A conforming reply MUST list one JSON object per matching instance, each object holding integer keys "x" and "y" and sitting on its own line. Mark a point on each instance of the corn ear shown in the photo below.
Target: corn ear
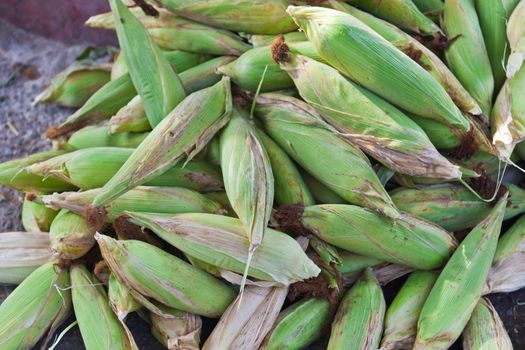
{"x": 506, "y": 276}
{"x": 358, "y": 323}
{"x": 157, "y": 84}
{"x": 452, "y": 206}
{"x": 35, "y": 308}
{"x": 71, "y": 236}
{"x": 130, "y": 118}
{"x": 36, "y": 216}
{"x": 175, "y": 33}
{"x": 222, "y": 241}
{"x": 149, "y": 272}
{"x": 516, "y": 36}
{"x": 22, "y": 253}
{"x": 363, "y": 55}
{"x": 459, "y": 285}
{"x": 402, "y": 315}
{"x": 247, "y": 320}
{"x": 184, "y": 132}
{"x": 248, "y": 16}
{"x": 180, "y": 332}
{"x": 485, "y": 330}
{"x": 258, "y": 40}
{"x": 102, "y": 136}
{"x": 99, "y": 326}
{"x": 294, "y": 125}
{"x": 120, "y": 299}
{"x": 371, "y": 123}
{"x": 73, "y": 86}
{"x": 204, "y": 75}
{"x": 467, "y": 55}
{"x": 298, "y": 325}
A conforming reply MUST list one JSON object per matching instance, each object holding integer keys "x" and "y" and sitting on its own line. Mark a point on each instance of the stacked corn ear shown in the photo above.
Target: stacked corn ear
{"x": 358, "y": 323}
{"x": 149, "y": 272}
{"x": 402, "y": 315}
{"x": 120, "y": 299}
{"x": 22, "y": 253}
{"x": 182, "y": 330}
{"x": 78, "y": 169}
{"x": 485, "y": 330}
{"x": 73, "y": 86}
{"x": 205, "y": 74}
{"x": 71, "y": 236}
{"x": 460, "y": 284}
{"x": 174, "y": 33}
{"x": 36, "y": 217}
{"x": 505, "y": 276}
{"x": 298, "y": 325}
{"x": 371, "y": 123}
{"x": 248, "y": 319}
{"x": 35, "y": 308}
{"x": 516, "y": 36}
{"x": 184, "y": 132}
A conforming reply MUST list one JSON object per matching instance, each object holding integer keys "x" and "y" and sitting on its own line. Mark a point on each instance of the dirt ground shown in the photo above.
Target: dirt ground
{"x": 22, "y": 129}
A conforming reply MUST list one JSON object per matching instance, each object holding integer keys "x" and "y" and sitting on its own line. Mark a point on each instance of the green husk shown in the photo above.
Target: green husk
{"x": 204, "y": 75}
{"x": 149, "y": 272}
{"x": 22, "y": 253}
{"x": 249, "y": 16}
{"x": 321, "y": 193}
{"x": 181, "y": 331}
{"x": 467, "y": 55}
{"x": 352, "y": 266}
{"x": 221, "y": 241}
{"x": 120, "y": 299}
{"x": 403, "y": 13}
{"x": 431, "y": 8}
{"x": 405, "y": 240}
{"x": 175, "y": 33}
{"x": 248, "y": 69}
{"x": 452, "y": 206}
{"x": 485, "y": 330}
{"x": 102, "y": 136}
{"x": 419, "y": 53}
{"x": 459, "y": 286}
{"x": 358, "y": 323}
{"x": 74, "y": 85}
{"x": 258, "y": 40}
{"x": 402, "y": 315}
{"x": 36, "y": 217}
{"x": 119, "y": 67}
{"x": 516, "y": 36}
{"x": 71, "y": 236}
{"x": 506, "y": 276}
{"x": 365, "y": 57}
{"x": 295, "y": 126}
{"x": 35, "y": 308}
{"x": 130, "y": 118}
{"x": 99, "y": 326}
{"x": 168, "y": 200}
{"x": 298, "y": 325}
{"x": 157, "y": 84}
{"x": 183, "y": 133}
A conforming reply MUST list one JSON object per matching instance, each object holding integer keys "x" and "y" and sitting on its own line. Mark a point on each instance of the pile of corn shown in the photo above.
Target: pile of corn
{"x": 276, "y": 182}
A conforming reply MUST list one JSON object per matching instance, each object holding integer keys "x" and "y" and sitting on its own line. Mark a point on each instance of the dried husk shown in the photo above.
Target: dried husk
{"x": 180, "y": 332}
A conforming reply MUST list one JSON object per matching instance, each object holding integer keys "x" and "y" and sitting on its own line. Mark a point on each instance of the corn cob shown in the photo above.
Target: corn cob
{"x": 130, "y": 118}
{"x": 247, "y": 320}
{"x": 35, "y": 308}
{"x": 368, "y": 233}
{"x": 168, "y": 200}
{"x": 467, "y": 56}
{"x": 321, "y": 193}
{"x": 249, "y": 16}
{"x": 119, "y": 67}
{"x": 181, "y": 331}
{"x": 516, "y": 36}
{"x": 101, "y": 136}
{"x": 458, "y": 287}
{"x": 120, "y": 300}
{"x": 401, "y": 316}
{"x": 77, "y": 168}
{"x": 298, "y": 325}
{"x": 36, "y": 217}
{"x": 294, "y": 126}
{"x": 221, "y": 241}
{"x": 419, "y": 53}
{"x": 361, "y": 54}
{"x": 485, "y": 329}
{"x": 175, "y": 33}
{"x": 248, "y": 69}
{"x": 71, "y": 236}
{"x": 403, "y": 13}
{"x": 184, "y": 132}
{"x": 506, "y": 274}
{"x": 453, "y": 207}
{"x": 204, "y": 75}
{"x": 73, "y": 86}
{"x": 158, "y": 85}
{"x": 99, "y": 326}
{"x": 258, "y": 40}
{"x": 22, "y": 253}
{"x": 149, "y": 272}
{"x": 358, "y": 323}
